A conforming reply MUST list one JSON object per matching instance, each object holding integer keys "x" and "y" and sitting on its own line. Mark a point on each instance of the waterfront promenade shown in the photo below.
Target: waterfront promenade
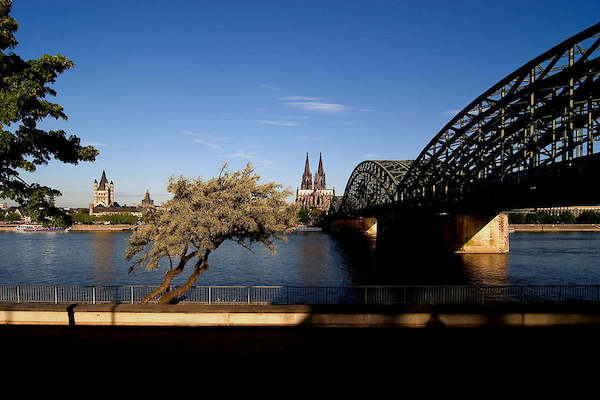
{"x": 425, "y": 337}
{"x": 288, "y": 316}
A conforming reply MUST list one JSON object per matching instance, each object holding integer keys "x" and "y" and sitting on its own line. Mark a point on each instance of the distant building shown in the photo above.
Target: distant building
{"x": 575, "y": 210}
{"x": 317, "y": 196}
{"x": 147, "y": 202}
{"x": 104, "y": 200}
{"x": 104, "y": 194}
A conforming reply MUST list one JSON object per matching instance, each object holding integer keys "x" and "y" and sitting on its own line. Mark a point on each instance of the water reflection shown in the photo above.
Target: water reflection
{"x": 103, "y": 252}
{"x": 311, "y": 252}
{"x": 368, "y": 264}
{"x": 311, "y": 258}
{"x": 485, "y": 269}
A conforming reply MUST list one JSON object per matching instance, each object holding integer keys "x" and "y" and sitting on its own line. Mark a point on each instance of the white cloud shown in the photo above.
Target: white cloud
{"x": 212, "y": 141}
{"x": 250, "y": 157}
{"x": 278, "y": 123}
{"x": 318, "y": 106}
{"x": 267, "y": 86}
{"x": 241, "y": 154}
{"x": 213, "y": 146}
{"x": 298, "y": 98}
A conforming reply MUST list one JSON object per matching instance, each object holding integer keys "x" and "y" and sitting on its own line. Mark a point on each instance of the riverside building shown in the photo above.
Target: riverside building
{"x": 104, "y": 200}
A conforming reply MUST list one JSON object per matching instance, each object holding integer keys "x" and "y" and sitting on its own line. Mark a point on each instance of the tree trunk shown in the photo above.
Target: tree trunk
{"x": 169, "y": 276}
{"x": 199, "y": 268}
{"x": 163, "y": 286}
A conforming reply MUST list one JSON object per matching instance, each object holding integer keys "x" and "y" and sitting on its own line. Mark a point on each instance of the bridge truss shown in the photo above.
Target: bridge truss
{"x": 373, "y": 183}
{"x": 543, "y": 115}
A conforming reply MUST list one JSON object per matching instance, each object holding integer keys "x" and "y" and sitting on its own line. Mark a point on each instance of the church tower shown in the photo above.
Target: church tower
{"x": 320, "y": 176}
{"x": 104, "y": 193}
{"x": 306, "y": 177}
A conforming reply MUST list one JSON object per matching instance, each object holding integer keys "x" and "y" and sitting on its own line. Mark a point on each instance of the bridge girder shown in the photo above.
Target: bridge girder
{"x": 540, "y": 119}
{"x": 373, "y": 183}
{"x": 544, "y": 113}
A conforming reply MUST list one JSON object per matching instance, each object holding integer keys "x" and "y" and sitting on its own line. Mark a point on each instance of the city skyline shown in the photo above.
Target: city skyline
{"x": 181, "y": 88}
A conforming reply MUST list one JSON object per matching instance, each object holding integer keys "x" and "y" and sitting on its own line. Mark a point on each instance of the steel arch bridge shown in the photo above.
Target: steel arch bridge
{"x": 533, "y": 130}
{"x": 373, "y": 184}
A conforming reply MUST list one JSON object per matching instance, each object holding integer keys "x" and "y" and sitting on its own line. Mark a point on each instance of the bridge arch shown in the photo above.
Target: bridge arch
{"x": 373, "y": 183}
{"x": 544, "y": 113}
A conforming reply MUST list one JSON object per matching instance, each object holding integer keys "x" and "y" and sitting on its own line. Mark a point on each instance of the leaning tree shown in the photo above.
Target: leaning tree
{"x": 200, "y": 216}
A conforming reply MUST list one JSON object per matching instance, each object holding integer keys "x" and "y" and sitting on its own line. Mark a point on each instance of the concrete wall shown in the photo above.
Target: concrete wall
{"x": 284, "y": 316}
{"x": 556, "y": 227}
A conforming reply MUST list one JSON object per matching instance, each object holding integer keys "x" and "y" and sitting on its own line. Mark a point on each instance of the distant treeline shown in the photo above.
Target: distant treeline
{"x": 566, "y": 217}
{"x": 113, "y": 218}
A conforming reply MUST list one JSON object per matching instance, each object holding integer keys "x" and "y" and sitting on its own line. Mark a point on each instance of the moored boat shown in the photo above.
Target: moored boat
{"x": 36, "y": 228}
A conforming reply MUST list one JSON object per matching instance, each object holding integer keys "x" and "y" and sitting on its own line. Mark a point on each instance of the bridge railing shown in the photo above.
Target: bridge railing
{"x": 289, "y": 295}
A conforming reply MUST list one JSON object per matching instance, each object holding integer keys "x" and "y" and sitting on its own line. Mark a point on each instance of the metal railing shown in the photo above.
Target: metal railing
{"x": 288, "y": 295}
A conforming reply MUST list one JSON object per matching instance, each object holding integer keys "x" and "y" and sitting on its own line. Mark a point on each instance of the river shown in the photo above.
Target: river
{"x": 306, "y": 259}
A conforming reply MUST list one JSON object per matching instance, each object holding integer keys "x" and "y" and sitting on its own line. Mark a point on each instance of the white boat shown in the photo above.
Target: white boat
{"x": 36, "y": 228}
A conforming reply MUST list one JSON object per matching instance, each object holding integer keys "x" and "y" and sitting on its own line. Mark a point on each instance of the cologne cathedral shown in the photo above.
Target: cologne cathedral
{"x": 318, "y": 196}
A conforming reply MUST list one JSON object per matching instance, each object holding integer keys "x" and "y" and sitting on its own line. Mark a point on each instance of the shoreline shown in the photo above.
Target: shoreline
{"x": 102, "y": 228}
{"x": 555, "y": 227}
{"x": 516, "y": 227}
{"x": 83, "y": 228}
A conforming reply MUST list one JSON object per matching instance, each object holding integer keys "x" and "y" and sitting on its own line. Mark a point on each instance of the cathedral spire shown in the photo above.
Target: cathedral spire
{"x": 306, "y": 166}
{"x": 320, "y": 176}
{"x": 320, "y": 170}
{"x": 306, "y": 177}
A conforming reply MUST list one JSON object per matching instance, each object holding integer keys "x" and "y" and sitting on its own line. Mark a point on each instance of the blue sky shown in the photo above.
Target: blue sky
{"x": 176, "y": 87}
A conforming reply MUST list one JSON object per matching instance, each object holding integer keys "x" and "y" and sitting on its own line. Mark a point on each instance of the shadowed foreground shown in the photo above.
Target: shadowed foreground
{"x": 301, "y": 343}
{"x": 432, "y": 348}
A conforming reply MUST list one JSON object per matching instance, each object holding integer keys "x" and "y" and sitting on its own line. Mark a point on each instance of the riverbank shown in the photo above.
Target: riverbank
{"x": 102, "y": 228}
{"x": 83, "y": 228}
{"x": 555, "y": 227}
{"x": 516, "y": 227}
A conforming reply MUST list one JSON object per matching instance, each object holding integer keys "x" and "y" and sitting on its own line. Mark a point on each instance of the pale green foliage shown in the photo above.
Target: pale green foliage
{"x": 203, "y": 214}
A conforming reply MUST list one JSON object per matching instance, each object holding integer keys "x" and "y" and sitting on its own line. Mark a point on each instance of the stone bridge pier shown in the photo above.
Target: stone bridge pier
{"x": 461, "y": 233}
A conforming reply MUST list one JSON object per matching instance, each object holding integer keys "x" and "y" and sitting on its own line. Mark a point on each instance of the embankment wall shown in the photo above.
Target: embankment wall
{"x": 289, "y": 316}
{"x": 556, "y": 227}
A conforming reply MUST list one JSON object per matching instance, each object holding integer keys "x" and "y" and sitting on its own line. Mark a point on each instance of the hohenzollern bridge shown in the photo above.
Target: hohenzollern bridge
{"x": 531, "y": 140}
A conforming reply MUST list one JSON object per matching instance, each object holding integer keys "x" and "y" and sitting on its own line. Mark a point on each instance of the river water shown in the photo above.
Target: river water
{"x": 306, "y": 259}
